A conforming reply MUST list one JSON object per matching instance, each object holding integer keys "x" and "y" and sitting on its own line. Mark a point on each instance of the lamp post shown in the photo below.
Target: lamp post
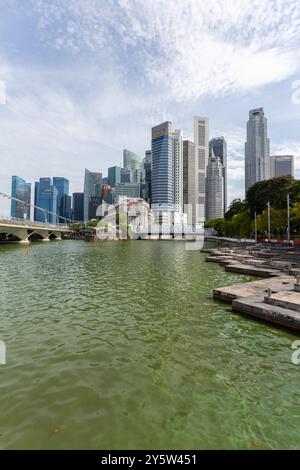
{"x": 269, "y": 221}
{"x": 255, "y": 226}
{"x": 288, "y": 219}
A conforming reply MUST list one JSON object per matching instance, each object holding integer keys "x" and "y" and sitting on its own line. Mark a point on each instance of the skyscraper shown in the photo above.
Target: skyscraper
{"x": 114, "y": 176}
{"x": 201, "y": 139}
{"x": 21, "y": 191}
{"x": 127, "y": 189}
{"x": 92, "y": 188}
{"x": 46, "y": 197}
{"x": 78, "y": 207}
{"x": 63, "y": 198}
{"x": 188, "y": 176}
{"x": 218, "y": 146}
{"x": 162, "y": 175}
{"x": 131, "y": 161}
{"x": 214, "y": 204}
{"x": 281, "y": 165}
{"x": 146, "y": 176}
{"x": 178, "y": 170}
{"x": 257, "y": 148}
{"x": 126, "y": 175}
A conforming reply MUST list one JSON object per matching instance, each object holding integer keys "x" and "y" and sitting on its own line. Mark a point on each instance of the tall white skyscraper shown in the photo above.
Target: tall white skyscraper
{"x": 178, "y": 170}
{"x": 201, "y": 140}
{"x": 214, "y": 204}
{"x": 218, "y": 146}
{"x": 257, "y": 148}
{"x": 282, "y": 165}
{"x": 188, "y": 177}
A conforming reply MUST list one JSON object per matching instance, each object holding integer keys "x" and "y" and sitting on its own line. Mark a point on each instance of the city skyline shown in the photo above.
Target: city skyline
{"x": 184, "y": 175}
{"x": 61, "y": 115}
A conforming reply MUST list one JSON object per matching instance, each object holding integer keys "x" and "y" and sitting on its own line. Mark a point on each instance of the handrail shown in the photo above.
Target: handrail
{"x": 29, "y": 223}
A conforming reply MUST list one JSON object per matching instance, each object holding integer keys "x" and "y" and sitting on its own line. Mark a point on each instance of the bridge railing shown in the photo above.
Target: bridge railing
{"x": 29, "y": 223}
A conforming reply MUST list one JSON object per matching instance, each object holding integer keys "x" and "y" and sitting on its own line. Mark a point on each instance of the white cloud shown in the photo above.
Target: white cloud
{"x": 187, "y": 49}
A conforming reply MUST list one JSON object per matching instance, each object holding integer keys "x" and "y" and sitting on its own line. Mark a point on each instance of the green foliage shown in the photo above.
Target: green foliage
{"x": 76, "y": 227}
{"x": 235, "y": 207}
{"x": 274, "y": 190}
{"x": 93, "y": 223}
{"x": 239, "y": 219}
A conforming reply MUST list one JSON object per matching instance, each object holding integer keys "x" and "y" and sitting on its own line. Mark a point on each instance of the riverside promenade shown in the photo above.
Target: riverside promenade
{"x": 275, "y": 297}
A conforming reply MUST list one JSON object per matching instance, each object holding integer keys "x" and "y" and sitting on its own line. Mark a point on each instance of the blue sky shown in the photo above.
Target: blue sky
{"x": 86, "y": 78}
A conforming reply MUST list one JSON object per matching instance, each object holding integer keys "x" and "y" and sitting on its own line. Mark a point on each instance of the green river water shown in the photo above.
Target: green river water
{"x": 120, "y": 345}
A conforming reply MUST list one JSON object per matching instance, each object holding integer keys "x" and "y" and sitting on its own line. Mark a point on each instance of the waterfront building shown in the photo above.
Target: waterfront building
{"x": 46, "y": 197}
{"x": 282, "y": 165}
{"x": 178, "y": 170}
{"x": 218, "y": 146}
{"x": 197, "y": 187}
{"x": 22, "y": 191}
{"x": 92, "y": 188}
{"x": 214, "y": 188}
{"x": 188, "y": 176}
{"x": 78, "y": 207}
{"x": 114, "y": 176}
{"x": 162, "y": 175}
{"x": 257, "y": 148}
{"x": 63, "y": 198}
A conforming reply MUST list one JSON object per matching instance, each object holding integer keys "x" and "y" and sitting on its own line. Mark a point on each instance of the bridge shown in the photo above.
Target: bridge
{"x": 24, "y": 231}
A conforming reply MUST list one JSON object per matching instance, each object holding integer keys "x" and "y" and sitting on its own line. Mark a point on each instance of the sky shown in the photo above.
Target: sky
{"x": 80, "y": 80}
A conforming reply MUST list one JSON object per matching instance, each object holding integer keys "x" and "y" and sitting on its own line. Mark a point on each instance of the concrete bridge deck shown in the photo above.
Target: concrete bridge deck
{"x": 24, "y": 230}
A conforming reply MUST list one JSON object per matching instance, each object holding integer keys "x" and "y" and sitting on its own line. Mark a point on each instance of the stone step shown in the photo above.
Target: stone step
{"x": 288, "y": 300}
{"x": 267, "y": 312}
{"x": 252, "y": 270}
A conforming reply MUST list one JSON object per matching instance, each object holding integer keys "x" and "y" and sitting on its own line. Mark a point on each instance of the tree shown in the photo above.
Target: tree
{"x": 274, "y": 190}
{"x": 235, "y": 207}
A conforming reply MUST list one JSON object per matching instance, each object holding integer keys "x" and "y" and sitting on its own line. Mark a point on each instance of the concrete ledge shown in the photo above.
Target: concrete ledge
{"x": 251, "y": 270}
{"x": 287, "y": 300}
{"x": 267, "y": 312}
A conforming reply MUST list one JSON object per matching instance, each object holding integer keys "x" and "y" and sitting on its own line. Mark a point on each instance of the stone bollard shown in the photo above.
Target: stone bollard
{"x": 297, "y": 284}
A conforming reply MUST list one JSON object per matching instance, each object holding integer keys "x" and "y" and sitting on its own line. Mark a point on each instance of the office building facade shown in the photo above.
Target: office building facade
{"x": 178, "y": 170}
{"x": 63, "y": 198}
{"x": 218, "y": 147}
{"x": 201, "y": 140}
{"x": 257, "y": 148}
{"x": 188, "y": 177}
{"x": 22, "y": 191}
{"x": 162, "y": 170}
{"x": 46, "y": 198}
{"x": 114, "y": 176}
{"x": 78, "y": 207}
{"x": 214, "y": 188}
{"x": 282, "y": 165}
{"x": 92, "y": 188}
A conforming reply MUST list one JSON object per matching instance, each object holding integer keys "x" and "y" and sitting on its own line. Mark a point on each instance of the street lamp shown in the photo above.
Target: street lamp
{"x": 255, "y": 226}
{"x": 288, "y": 219}
{"x": 269, "y": 221}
